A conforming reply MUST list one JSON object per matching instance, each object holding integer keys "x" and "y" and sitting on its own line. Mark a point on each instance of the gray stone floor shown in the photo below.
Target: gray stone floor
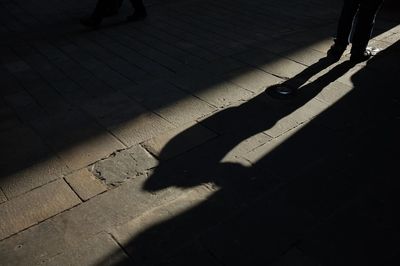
{"x": 156, "y": 142}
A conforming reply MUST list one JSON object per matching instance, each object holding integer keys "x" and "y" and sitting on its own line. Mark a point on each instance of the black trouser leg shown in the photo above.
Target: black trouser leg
{"x": 349, "y": 10}
{"x": 364, "y": 26}
{"x": 138, "y": 6}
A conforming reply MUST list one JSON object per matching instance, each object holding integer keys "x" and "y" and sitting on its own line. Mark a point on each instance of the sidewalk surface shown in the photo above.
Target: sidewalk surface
{"x": 155, "y": 142}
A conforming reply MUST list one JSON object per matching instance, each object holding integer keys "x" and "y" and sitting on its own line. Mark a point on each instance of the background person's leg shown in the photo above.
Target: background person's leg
{"x": 346, "y": 20}
{"x": 139, "y": 11}
{"x": 345, "y": 24}
{"x": 364, "y": 26}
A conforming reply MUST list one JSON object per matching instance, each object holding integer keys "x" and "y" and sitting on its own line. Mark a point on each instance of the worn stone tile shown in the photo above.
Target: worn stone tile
{"x": 252, "y": 79}
{"x": 151, "y": 247}
{"x": 100, "y": 249}
{"x": 3, "y": 197}
{"x": 78, "y": 140}
{"x": 113, "y": 109}
{"x": 295, "y": 257}
{"x": 37, "y": 173}
{"x": 237, "y": 241}
{"x": 185, "y": 137}
{"x": 282, "y": 67}
{"x": 127, "y": 164}
{"x": 238, "y": 152}
{"x": 220, "y": 66}
{"x": 193, "y": 253}
{"x": 352, "y": 236}
{"x": 140, "y": 128}
{"x": 26, "y": 162}
{"x": 270, "y": 63}
{"x": 71, "y": 228}
{"x": 277, "y": 46}
{"x": 8, "y": 118}
{"x": 171, "y": 103}
{"x": 85, "y": 184}
{"x": 213, "y": 90}
{"x": 333, "y": 92}
{"x": 89, "y": 151}
{"x": 299, "y": 116}
{"x": 36, "y": 206}
{"x": 305, "y": 56}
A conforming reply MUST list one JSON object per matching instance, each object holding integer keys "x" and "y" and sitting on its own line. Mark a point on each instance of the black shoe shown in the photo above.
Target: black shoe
{"x": 358, "y": 57}
{"x": 137, "y": 16}
{"x": 336, "y": 51}
{"x": 91, "y": 22}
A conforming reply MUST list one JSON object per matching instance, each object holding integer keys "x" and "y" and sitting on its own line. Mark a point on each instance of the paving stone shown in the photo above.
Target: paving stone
{"x": 35, "y": 174}
{"x": 277, "y": 46}
{"x": 259, "y": 234}
{"x": 333, "y": 92}
{"x": 113, "y": 109}
{"x": 17, "y": 66}
{"x": 351, "y": 236}
{"x": 299, "y": 116}
{"x": 129, "y": 233}
{"x": 220, "y": 66}
{"x": 235, "y": 155}
{"x": 322, "y": 45}
{"x": 25, "y": 106}
{"x": 98, "y": 250}
{"x": 295, "y": 257}
{"x": 85, "y": 184}
{"x": 140, "y": 128}
{"x": 252, "y": 79}
{"x": 126, "y": 50}
{"x": 171, "y": 229}
{"x": 69, "y": 229}
{"x": 270, "y": 63}
{"x": 8, "y": 117}
{"x": 117, "y": 63}
{"x": 293, "y": 148}
{"x": 305, "y": 56}
{"x": 189, "y": 135}
{"x": 171, "y": 103}
{"x": 194, "y": 253}
{"x": 3, "y": 197}
{"x": 127, "y": 164}
{"x": 214, "y": 91}
{"x": 35, "y": 206}
{"x": 26, "y": 162}
{"x": 76, "y": 138}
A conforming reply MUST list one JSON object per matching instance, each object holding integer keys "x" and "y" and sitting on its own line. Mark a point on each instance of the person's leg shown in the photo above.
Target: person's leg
{"x": 349, "y": 11}
{"x": 365, "y": 23}
{"x": 345, "y": 24}
{"x": 103, "y": 9}
{"x": 139, "y": 11}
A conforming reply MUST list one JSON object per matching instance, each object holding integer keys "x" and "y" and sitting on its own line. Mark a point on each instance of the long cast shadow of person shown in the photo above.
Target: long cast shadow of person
{"x": 203, "y": 165}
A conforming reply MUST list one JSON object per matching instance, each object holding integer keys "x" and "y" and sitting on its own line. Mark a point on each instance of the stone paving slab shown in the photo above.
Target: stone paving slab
{"x": 85, "y": 184}
{"x": 190, "y": 137}
{"x": 30, "y": 165}
{"x": 94, "y": 251}
{"x": 36, "y": 206}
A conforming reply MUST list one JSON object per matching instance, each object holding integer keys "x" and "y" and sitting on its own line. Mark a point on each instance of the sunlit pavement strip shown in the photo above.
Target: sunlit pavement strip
{"x": 107, "y": 136}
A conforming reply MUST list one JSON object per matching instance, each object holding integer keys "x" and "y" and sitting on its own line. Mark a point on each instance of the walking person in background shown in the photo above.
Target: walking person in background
{"x": 356, "y": 21}
{"x": 107, "y": 8}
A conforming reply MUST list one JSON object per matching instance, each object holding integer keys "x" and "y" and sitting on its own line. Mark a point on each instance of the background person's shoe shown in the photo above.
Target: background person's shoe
{"x": 137, "y": 16}
{"x": 358, "y": 57}
{"x": 91, "y": 22}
